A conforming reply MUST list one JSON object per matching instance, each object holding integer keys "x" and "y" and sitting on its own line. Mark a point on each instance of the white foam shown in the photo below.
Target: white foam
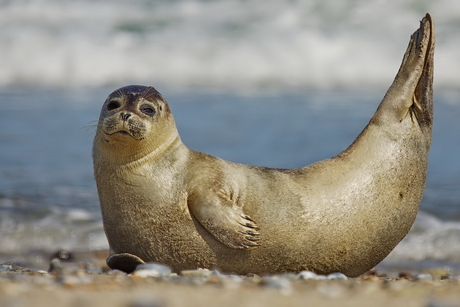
{"x": 429, "y": 239}
{"x": 49, "y": 231}
{"x": 217, "y": 44}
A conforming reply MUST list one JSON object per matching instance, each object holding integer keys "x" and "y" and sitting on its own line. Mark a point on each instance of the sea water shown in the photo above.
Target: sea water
{"x": 273, "y": 83}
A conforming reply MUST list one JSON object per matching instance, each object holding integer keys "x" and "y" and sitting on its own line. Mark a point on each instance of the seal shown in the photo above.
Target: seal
{"x": 163, "y": 202}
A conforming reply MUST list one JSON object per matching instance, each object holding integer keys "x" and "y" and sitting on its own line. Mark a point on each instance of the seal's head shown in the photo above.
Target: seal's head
{"x": 135, "y": 120}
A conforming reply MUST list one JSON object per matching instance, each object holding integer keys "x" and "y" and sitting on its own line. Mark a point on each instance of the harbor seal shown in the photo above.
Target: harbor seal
{"x": 163, "y": 202}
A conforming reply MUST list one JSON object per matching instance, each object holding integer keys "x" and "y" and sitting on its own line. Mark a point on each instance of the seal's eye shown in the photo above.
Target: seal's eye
{"x": 146, "y": 109}
{"x": 113, "y": 105}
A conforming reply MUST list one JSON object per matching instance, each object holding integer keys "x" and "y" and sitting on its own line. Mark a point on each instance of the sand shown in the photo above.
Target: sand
{"x": 74, "y": 283}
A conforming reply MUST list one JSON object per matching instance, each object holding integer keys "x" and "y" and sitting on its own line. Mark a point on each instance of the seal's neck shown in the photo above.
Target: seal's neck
{"x": 156, "y": 152}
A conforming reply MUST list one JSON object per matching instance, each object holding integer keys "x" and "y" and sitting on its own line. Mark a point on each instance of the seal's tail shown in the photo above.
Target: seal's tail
{"x": 411, "y": 93}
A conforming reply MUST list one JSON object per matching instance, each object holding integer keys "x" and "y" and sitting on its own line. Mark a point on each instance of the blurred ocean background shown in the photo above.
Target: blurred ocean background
{"x": 272, "y": 83}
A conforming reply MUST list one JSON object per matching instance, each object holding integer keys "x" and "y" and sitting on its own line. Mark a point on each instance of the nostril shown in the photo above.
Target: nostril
{"x": 125, "y": 116}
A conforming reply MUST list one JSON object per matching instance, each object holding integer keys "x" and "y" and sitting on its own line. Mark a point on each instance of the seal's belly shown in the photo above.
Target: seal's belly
{"x": 156, "y": 231}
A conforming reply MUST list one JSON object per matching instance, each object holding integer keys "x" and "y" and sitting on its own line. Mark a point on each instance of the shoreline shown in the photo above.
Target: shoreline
{"x": 91, "y": 283}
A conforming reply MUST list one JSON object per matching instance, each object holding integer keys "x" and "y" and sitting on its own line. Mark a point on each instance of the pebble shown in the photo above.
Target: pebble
{"x": 404, "y": 275}
{"x": 6, "y": 267}
{"x": 337, "y": 276}
{"x": 427, "y": 277}
{"x": 15, "y": 280}
{"x": 307, "y": 275}
{"x": 11, "y": 267}
{"x": 438, "y": 273}
{"x": 152, "y": 270}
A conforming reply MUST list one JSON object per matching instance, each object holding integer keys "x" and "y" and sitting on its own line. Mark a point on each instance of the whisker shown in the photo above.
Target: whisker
{"x": 88, "y": 126}
{"x": 91, "y": 127}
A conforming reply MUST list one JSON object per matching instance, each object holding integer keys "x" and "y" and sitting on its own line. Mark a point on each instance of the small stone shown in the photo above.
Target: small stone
{"x": 152, "y": 270}
{"x": 337, "y": 276}
{"x": 42, "y": 272}
{"x": 307, "y": 275}
{"x": 6, "y": 266}
{"x": 438, "y": 273}
{"x": 427, "y": 277}
{"x": 63, "y": 255}
{"x": 12, "y": 267}
{"x": 404, "y": 275}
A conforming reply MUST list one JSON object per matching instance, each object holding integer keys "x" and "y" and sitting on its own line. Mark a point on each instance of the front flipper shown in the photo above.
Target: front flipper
{"x": 124, "y": 262}
{"x": 226, "y": 221}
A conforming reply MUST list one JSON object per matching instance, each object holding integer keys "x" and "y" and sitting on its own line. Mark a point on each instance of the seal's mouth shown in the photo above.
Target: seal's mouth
{"x": 122, "y": 132}
{"x": 133, "y": 128}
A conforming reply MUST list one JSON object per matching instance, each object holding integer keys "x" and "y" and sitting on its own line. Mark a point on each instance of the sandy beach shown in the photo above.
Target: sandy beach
{"x": 91, "y": 283}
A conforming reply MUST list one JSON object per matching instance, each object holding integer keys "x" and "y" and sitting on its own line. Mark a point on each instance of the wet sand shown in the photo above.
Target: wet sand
{"x": 93, "y": 284}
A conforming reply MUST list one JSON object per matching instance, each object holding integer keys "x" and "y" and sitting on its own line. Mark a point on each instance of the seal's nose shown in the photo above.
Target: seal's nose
{"x": 124, "y": 116}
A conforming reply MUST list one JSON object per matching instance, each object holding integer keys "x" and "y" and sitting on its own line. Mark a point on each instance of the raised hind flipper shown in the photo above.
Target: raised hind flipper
{"x": 411, "y": 93}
